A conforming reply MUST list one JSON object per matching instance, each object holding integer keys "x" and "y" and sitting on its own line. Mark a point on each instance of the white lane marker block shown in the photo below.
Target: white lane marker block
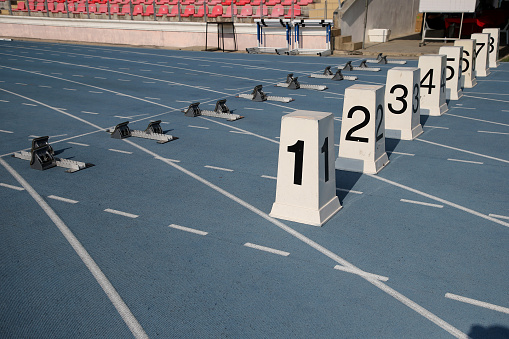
{"x": 477, "y": 303}
{"x": 494, "y": 44}
{"x": 267, "y": 249}
{"x": 70, "y": 201}
{"x": 453, "y": 71}
{"x": 362, "y": 138}
{"x": 433, "y": 84}
{"x": 361, "y": 273}
{"x": 468, "y": 79}
{"x": 402, "y": 103}
{"x": 187, "y": 229}
{"x": 481, "y": 54}
{"x": 421, "y": 203}
{"x": 17, "y": 188}
{"x": 125, "y": 214}
{"x": 306, "y": 179}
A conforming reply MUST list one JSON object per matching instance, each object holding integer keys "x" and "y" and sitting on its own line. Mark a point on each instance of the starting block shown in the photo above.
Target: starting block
{"x": 152, "y": 132}
{"x": 482, "y": 41}
{"x": 41, "y": 157}
{"x": 382, "y": 59}
{"x": 293, "y": 83}
{"x": 362, "y": 67}
{"x": 402, "y": 97}
{"x": 327, "y": 74}
{"x": 220, "y": 111}
{"x": 306, "y": 180}
{"x": 258, "y": 95}
{"x": 468, "y": 79}
{"x": 493, "y": 46}
{"x": 453, "y": 73}
{"x": 362, "y": 138}
{"x": 433, "y": 84}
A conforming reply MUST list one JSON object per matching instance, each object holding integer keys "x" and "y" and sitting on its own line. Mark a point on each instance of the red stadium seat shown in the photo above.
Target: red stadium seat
{"x": 114, "y": 8}
{"x": 296, "y": 12}
{"x": 277, "y": 11}
{"x": 162, "y": 10}
{"x": 216, "y": 11}
{"x": 265, "y": 12}
{"x": 138, "y": 9}
{"x": 189, "y": 11}
{"x": 103, "y": 9}
{"x": 201, "y": 12}
{"x": 149, "y": 10}
{"x": 126, "y": 9}
{"x": 21, "y": 6}
{"x": 228, "y": 13}
{"x": 246, "y": 11}
{"x": 174, "y": 11}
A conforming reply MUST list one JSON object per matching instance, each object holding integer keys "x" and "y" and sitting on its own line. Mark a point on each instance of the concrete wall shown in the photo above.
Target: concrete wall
{"x": 146, "y": 33}
{"x": 397, "y": 15}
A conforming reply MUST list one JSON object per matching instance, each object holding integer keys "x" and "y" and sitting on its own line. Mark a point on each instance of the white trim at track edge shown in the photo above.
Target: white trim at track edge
{"x": 100, "y": 277}
{"x": 443, "y": 201}
{"x": 487, "y": 121}
{"x": 353, "y": 269}
{"x": 462, "y": 150}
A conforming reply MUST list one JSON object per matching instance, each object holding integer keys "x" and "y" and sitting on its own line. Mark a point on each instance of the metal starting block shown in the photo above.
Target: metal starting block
{"x": 41, "y": 157}
{"x": 362, "y": 67}
{"x": 152, "y": 132}
{"x": 382, "y": 59}
{"x": 258, "y": 95}
{"x": 327, "y": 74}
{"x": 220, "y": 111}
{"x": 293, "y": 83}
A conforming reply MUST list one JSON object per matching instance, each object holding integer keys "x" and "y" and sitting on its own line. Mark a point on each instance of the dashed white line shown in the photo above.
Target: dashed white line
{"x": 401, "y": 153}
{"x": 20, "y": 83}
{"x": 102, "y": 78}
{"x": 333, "y": 98}
{"x": 254, "y": 109}
{"x": 498, "y": 216}
{"x": 268, "y": 177}
{"x": 361, "y": 273}
{"x": 95, "y": 92}
{"x": 26, "y": 104}
{"x": 219, "y": 168}
{"x": 126, "y": 80}
{"x": 439, "y": 127}
{"x": 125, "y": 214}
{"x": 77, "y": 143}
{"x": 149, "y": 82}
{"x": 86, "y": 112}
{"x": 240, "y": 132}
{"x": 69, "y": 89}
{"x": 493, "y": 132}
{"x": 267, "y": 249}
{"x": 477, "y": 303}
{"x": 43, "y": 86}
{"x": 348, "y": 191}
{"x": 4, "y": 101}
{"x": 152, "y": 98}
{"x": 337, "y": 119}
{"x": 168, "y": 159}
{"x": 187, "y": 229}
{"x": 421, "y": 203}
{"x": 197, "y": 127}
{"x": 467, "y": 161}
{"x": 119, "y": 151}
{"x": 17, "y": 188}
{"x": 2, "y": 131}
{"x": 77, "y": 75}
{"x": 70, "y": 201}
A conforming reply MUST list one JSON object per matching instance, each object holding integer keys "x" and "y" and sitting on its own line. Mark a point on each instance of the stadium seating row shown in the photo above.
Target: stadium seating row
{"x": 190, "y": 10}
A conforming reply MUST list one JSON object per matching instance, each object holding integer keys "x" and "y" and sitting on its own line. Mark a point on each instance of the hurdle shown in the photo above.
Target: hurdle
{"x": 338, "y": 76}
{"x": 293, "y": 83}
{"x": 298, "y": 24}
{"x": 220, "y": 111}
{"x": 258, "y": 95}
{"x": 271, "y": 23}
{"x": 152, "y": 132}
{"x": 382, "y": 59}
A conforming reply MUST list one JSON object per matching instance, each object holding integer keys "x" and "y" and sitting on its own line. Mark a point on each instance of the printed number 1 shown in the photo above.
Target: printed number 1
{"x": 298, "y": 149}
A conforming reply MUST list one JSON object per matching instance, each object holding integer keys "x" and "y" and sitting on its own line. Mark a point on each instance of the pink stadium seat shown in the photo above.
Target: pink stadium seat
{"x": 41, "y": 8}
{"x": 277, "y": 11}
{"x": 103, "y": 9}
{"x": 265, "y": 12}
{"x": 273, "y": 2}
{"x": 189, "y": 11}
{"x": 60, "y": 8}
{"x": 163, "y": 10}
{"x": 114, "y": 8}
{"x": 126, "y": 9}
{"x": 246, "y": 11}
{"x": 213, "y": 2}
{"x": 174, "y": 11}
{"x": 296, "y": 10}
{"x": 201, "y": 12}
{"x": 149, "y": 10}
{"x": 138, "y": 9}
{"x": 173, "y": 2}
{"x": 216, "y": 11}
{"x": 286, "y": 2}
{"x": 162, "y": 2}
{"x": 226, "y": 2}
{"x": 256, "y": 2}
{"x": 186, "y": 2}
{"x": 21, "y": 6}
{"x": 228, "y": 13}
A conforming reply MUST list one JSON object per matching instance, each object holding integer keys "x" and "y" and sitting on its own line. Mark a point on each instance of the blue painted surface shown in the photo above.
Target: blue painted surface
{"x": 179, "y": 284}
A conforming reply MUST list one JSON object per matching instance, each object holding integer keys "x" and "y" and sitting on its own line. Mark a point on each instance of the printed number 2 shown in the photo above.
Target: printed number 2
{"x": 298, "y": 149}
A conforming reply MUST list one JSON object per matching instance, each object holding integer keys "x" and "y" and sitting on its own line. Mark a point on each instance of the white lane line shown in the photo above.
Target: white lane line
{"x": 69, "y": 89}
{"x": 267, "y": 249}
{"x": 466, "y": 161}
{"x": 487, "y": 121}
{"x": 219, "y": 168}
{"x": 126, "y": 80}
{"x": 348, "y": 191}
{"x": 77, "y": 75}
{"x": 119, "y": 151}
{"x": 4, "y": 101}
{"x": 22, "y": 84}
{"x": 421, "y": 203}
{"x": 45, "y": 86}
{"x": 439, "y": 127}
{"x": 380, "y": 285}
{"x": 100, "y": 78}
{"x": 401, "y": 153}
{"x": 99, "y": 276}
{"x": 70, "y": 201}
{"x": 97, "y": 92}
{"x": 333, "y": 98}
{"x": 77, "y": 143}
{"x": 239, "y": 132}
{"x": 2, "y": 131}
{"x": 477, "y": 303}
{"x": 197, "y": 127}
{"x": 465, "y": 107}
{"x": 145, "y": 70}
{"x": 337, "y": 119}
{"x": 462, "y": 150}
{"x": 24, "y": 103}
{"x": 153, "y": 98}
{"x": 254, "y": 109}
{"x": 361, "y": 273}
{"x": 163, "y": 158}
{"x": 187, "y": 229}
{"x": 12, "y": 187}
{"x": 149, "y": 82}
{"x": 443, "y": 201}
{"x": 501, "y": 133}
{"x": 268, "y": 177}
{"x": 499, "y": 216}
{"x": 89, "y": 112}
{"x": 125, "y": 214}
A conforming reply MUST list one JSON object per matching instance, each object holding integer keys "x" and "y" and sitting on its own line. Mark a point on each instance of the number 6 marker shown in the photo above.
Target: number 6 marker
{"x": 306, "y": 180}
{"x": 362, "y": 138}
{"x": 468, "y": 62}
